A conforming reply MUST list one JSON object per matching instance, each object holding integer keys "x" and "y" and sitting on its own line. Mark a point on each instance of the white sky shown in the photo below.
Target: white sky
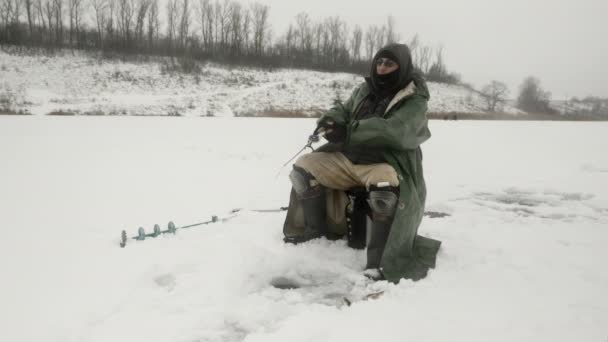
{"x": 562, "y": 42}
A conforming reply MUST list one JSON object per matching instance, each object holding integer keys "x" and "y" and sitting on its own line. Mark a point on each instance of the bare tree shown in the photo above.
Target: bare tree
{"x": 532, "y": 98}
{"x": 58, "y": 15}
{"x": 289, "y": 41}
{"x": 221, "y": 20}
{"x": 126, "y": 12}
{"x": 184, "y": 23}
{"x": 495, "y": 94}
{"x": 318, "y": 35}
{"x": 414, "y": 43}
{"x": 6, "y": 13}
{"x": 438, "y": 71}
{"x": 236, "y": 27}
{"x": 80, "y": 8}
{"x": 246, "y": 29}
{"x": 49, "y": 13}
{"x": 337, "y": 40}
{"x": 260, "y": 27}
{"x": 17, "y": 9}
{"x": 140, "y": 19}
{"x": 391, "y": 35}
{"x": 371, "y": 42}
{"x": 71, "y": 8}
{"x": 172, "y": 12}
{"x": 325, "y": 52}
{"x": 31, "y": 17}
{"x": 204, "y": 17}
{"x": 381, "y": 37}
{"x": 39, "y": 9}
{"x": 355, "y": 43}
{"x": 304, "y": 34}
{"x": 100, "y": 8}
{"x": 424, "y": 58}
{"x": 75, "y": 17}
{"x": 153, "y": 23}
{"x": 111, "y": 21}
{"x": 217, "y": 34}
{"x": 224, "y": 20}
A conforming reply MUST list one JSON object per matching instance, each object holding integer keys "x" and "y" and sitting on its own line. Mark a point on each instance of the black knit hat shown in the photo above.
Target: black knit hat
{"x": 387, "y": 54}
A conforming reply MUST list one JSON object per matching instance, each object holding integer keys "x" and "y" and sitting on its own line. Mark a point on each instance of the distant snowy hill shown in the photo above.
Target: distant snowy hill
{"x": 591, "y": 106}
{"x": 78, "y": 83}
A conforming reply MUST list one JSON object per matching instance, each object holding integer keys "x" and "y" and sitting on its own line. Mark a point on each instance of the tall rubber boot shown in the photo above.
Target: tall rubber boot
{"x": 311, "y": 195}
{"x": 315, "y": 213}
{"x": 383, "y": 204}
{"x": 356, "y": 219}
{"x": 377, "y": 242}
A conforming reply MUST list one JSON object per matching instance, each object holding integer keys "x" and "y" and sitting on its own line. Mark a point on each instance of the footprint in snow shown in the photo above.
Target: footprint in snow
{"x": 167, "y": 281}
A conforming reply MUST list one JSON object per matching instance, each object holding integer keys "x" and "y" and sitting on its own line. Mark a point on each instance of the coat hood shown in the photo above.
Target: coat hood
{"x": 402, "y": 55}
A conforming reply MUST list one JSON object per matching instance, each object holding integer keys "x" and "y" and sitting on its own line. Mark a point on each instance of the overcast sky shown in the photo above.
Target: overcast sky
{"x": 563, "y": 43}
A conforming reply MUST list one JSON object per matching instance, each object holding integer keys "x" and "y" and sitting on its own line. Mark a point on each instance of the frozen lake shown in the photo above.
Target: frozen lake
{"x": 523, "y": 257}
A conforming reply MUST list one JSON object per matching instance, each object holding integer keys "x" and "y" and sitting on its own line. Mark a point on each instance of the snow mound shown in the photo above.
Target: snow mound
{"x": 78, "y": 83}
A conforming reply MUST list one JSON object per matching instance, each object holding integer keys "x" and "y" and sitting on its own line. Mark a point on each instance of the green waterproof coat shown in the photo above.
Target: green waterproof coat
{"x": 399, "y": 133}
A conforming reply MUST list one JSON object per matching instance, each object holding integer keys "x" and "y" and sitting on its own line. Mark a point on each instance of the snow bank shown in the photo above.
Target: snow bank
{"x": 76, "y": 83}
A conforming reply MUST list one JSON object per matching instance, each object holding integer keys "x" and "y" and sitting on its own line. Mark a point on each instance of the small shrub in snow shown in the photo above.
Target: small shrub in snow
{"x": 189, "y": 66}
{"x": 11, "y": 99}
{"x": 61, "y": 112}
{"x": 94, "y": 113}
{"x": 182, "y": 66}
{"x": 469, "y": 98}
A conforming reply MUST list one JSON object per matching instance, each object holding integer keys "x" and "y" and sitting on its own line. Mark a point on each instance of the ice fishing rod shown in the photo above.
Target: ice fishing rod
{"x": 172, "y": 228}
{"x": 313, "y": 138}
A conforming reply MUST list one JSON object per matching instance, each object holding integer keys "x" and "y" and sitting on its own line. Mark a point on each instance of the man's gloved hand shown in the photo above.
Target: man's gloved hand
{"x": 332, "y": 131}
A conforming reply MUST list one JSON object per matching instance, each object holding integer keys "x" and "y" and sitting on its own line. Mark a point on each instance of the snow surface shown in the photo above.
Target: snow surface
{"x": 75, "y": 82}
{"x": 523, "y": 257}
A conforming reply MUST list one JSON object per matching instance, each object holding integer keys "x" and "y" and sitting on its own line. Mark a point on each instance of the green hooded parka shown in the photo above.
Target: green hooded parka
{"x": 399, "y": 133}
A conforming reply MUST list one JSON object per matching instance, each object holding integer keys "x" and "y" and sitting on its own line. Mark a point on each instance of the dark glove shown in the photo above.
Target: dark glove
{"x": 333, "y": 132}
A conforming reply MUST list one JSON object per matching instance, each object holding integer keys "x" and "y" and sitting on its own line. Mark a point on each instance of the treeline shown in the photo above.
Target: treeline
{"x": 224, "y": 31}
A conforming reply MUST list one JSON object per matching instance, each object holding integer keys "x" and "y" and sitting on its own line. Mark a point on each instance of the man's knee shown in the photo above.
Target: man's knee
{"x": 383, "y": 201}
{"x": 304, "y": 183}
{"x": 382, "y": 174}
{"x": 306, "y": 161}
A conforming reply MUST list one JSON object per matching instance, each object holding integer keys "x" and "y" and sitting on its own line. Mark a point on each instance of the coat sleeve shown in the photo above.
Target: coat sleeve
{"x": 405, "y": 129}
{"x": 341, "y": 112}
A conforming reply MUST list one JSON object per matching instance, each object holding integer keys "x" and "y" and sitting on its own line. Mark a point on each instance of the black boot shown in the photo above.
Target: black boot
{"x": 383, "y": 204}
{"x": 315, "y": 213}
{"x": 356, "y": 214}
{"x": 312, "y": 199}
{"x": 377, "y": 242}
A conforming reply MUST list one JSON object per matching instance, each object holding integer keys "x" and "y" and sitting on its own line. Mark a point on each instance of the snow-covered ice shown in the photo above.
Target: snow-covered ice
{"x": 523, "y": 256}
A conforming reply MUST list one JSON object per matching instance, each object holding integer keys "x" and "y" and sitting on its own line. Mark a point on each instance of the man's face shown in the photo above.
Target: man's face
{"x": 385, "y": 66}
